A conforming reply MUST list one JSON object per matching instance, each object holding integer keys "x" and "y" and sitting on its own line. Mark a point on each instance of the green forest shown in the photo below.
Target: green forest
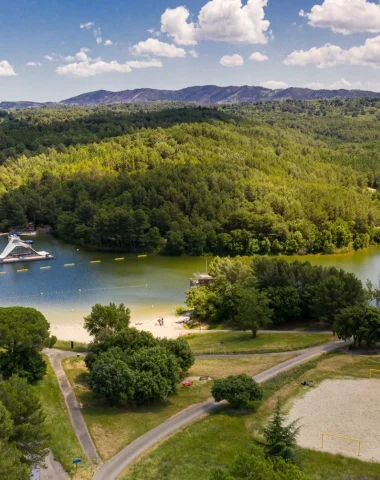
{"x": 269, "y": 178}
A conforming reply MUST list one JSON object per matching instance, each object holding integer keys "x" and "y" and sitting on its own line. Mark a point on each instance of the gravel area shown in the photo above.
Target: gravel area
{"x": 341, "y": 407}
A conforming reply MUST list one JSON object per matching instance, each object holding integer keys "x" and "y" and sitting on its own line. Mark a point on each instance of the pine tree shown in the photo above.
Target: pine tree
{"x": 281, "y": 438}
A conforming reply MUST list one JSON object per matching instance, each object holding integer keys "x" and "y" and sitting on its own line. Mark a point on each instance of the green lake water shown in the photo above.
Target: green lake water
{"x": 150, "y": 286}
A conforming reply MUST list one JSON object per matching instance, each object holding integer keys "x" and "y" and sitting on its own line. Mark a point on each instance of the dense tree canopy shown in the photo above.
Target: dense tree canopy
{"x": 105, "y": 319}
{"x": 254, "y": 465}
{"x": 23, "y": 437}
{"x": 131, "y": 366}
{"x": 361, "y": 322}
{"x": 273, "y": 289}
{"x": 23, "y": 334}
{"x": 243, "y": 179}
{"x": 238, "y": 390}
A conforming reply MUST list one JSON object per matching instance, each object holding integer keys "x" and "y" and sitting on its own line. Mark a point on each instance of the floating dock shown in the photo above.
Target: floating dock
{"x": 19, "y": 251}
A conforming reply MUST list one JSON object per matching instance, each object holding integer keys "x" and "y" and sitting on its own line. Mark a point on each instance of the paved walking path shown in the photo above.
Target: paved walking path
{"x": 76, "y": 417}
{"x": 112, "y": 469}
{"x": 296, "y": 332}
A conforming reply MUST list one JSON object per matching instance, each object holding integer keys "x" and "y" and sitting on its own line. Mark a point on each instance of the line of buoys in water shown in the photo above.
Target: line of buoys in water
{"x": 80, "y": 290}
{"x": 119, "y": 259}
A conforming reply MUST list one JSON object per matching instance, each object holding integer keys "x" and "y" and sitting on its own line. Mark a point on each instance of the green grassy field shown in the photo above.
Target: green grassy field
{"x": 210, "y": 343}
{"x": 64, "y": 443}
{"x": 186, "y": 455}
{"x": 79, "y": 347}
{"x": 113, "y": 428}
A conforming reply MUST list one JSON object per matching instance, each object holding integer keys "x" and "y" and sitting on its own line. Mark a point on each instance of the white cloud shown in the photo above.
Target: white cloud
{"x": 339, "y": 84}
{"x": 99, "y": 40}
{"x": 274, "y": 84}
{"x": 174, "y": 23}
{"x": 152, "y": 46}
{"x": 85, "y": 66}
{"x": 34, "y": 64}
{"x": 258, "y": 57}
{"x": 49, "y": 57}
{"x": 81, "y": 56}
{"x": 345, "y": 16}
{"x": 220, "y": 21}
{"x": 193, "y": 53}
{"x": 367, "y": 55}
{"x": 145, "y": 63}
{"x": 232, "y": 60}
{"x": 108, "y": 43}
{"x": 6, "y": 69}
{"x": 154, "y": 32}
{"x": 87, "y": 25}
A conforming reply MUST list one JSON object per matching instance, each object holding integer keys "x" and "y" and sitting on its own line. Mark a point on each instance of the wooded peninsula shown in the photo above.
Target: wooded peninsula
{"x": 268, "y": 178}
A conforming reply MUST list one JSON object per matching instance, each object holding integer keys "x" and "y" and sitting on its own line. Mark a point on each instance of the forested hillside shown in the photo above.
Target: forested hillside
{"x": 242, "y": 179}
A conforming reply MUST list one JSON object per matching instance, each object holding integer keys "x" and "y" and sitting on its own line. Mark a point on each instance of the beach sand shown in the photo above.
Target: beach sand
{"x": 73, "y": 329}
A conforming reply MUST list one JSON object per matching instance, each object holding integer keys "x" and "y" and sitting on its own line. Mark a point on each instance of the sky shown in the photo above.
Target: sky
{"x": 51, "y": 50}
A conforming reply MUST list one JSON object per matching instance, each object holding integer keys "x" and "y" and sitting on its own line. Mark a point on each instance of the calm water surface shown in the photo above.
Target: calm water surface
{"x": 150, "y": 286}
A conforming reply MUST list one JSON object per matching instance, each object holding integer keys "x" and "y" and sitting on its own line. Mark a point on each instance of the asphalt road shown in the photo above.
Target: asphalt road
{"x": 76, "y": 417}
{"x": 112, "y": 469}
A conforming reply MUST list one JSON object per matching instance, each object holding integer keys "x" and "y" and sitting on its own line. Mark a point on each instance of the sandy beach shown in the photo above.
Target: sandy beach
{"x": 74, "y": 330}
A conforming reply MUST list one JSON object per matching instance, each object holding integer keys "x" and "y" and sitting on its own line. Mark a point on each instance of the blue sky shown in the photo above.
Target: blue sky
{"x": 314, "y": 43}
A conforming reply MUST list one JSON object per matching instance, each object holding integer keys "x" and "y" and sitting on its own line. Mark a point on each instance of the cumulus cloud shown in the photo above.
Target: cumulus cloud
{"x": 339, "y": 84}
{"x": 84, "y": 66}
{"x": 232, "y": 60}
{"x": 367, "y": 55}
{"x": 274, "y": 84}
{"x": 87, "y": 25}
{"x": 220, "y": 21}
{"x": 258, "y": 57}
{"x": 49, "y": 57}
{"x": 99, "y": 40}
{"x": 81, "y": 56}
{"x": 6, "y": 69}
{"x": 34, "y": 64}
{"x": 152, "y": 46}
{"x": 345, "y": 16}
{"x": 108, "y": 43}
{"x": 193, "y": 53}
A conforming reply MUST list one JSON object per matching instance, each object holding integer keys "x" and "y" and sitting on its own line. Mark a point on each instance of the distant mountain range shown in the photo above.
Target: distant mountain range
{"x": 204, "y": 95}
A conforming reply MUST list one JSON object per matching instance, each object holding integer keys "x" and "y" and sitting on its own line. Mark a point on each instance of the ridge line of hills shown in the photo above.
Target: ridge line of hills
{"x": 204, "y": 95}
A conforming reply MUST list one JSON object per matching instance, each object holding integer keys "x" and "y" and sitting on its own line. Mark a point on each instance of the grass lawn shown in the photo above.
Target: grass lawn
{"x": 184, "y": 456}
{"x": 210, "y": 343}
{"x": 79, "y": 347}
{"x": 112, "y": 428}
{"x": 64, "y": 443}
{"x": 223, "y": 367}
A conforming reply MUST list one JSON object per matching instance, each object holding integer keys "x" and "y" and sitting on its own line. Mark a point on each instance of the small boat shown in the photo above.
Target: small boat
{"x": 13, "y": 234}
{"x": 19, "y": 250}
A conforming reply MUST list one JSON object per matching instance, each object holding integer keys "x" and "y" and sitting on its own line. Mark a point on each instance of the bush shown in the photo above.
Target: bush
{"x": 238, "y": 390}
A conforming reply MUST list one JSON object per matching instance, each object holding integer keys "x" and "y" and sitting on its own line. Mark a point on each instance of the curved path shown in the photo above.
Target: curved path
{"x": 113, "y": 468}
{"x": 76, "y": 417}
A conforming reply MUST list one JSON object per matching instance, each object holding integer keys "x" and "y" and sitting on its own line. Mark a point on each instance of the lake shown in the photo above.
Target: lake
{"x": 151, "y": 286}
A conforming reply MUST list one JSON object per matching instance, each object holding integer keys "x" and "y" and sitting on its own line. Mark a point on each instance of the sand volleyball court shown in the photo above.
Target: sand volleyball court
{"x": 342, "y": 407}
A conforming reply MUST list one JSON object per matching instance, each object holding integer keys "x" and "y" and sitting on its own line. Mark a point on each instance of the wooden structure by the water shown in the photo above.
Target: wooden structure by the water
{"x": 200, "y": 280}
{"x": 18, "y": 250}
